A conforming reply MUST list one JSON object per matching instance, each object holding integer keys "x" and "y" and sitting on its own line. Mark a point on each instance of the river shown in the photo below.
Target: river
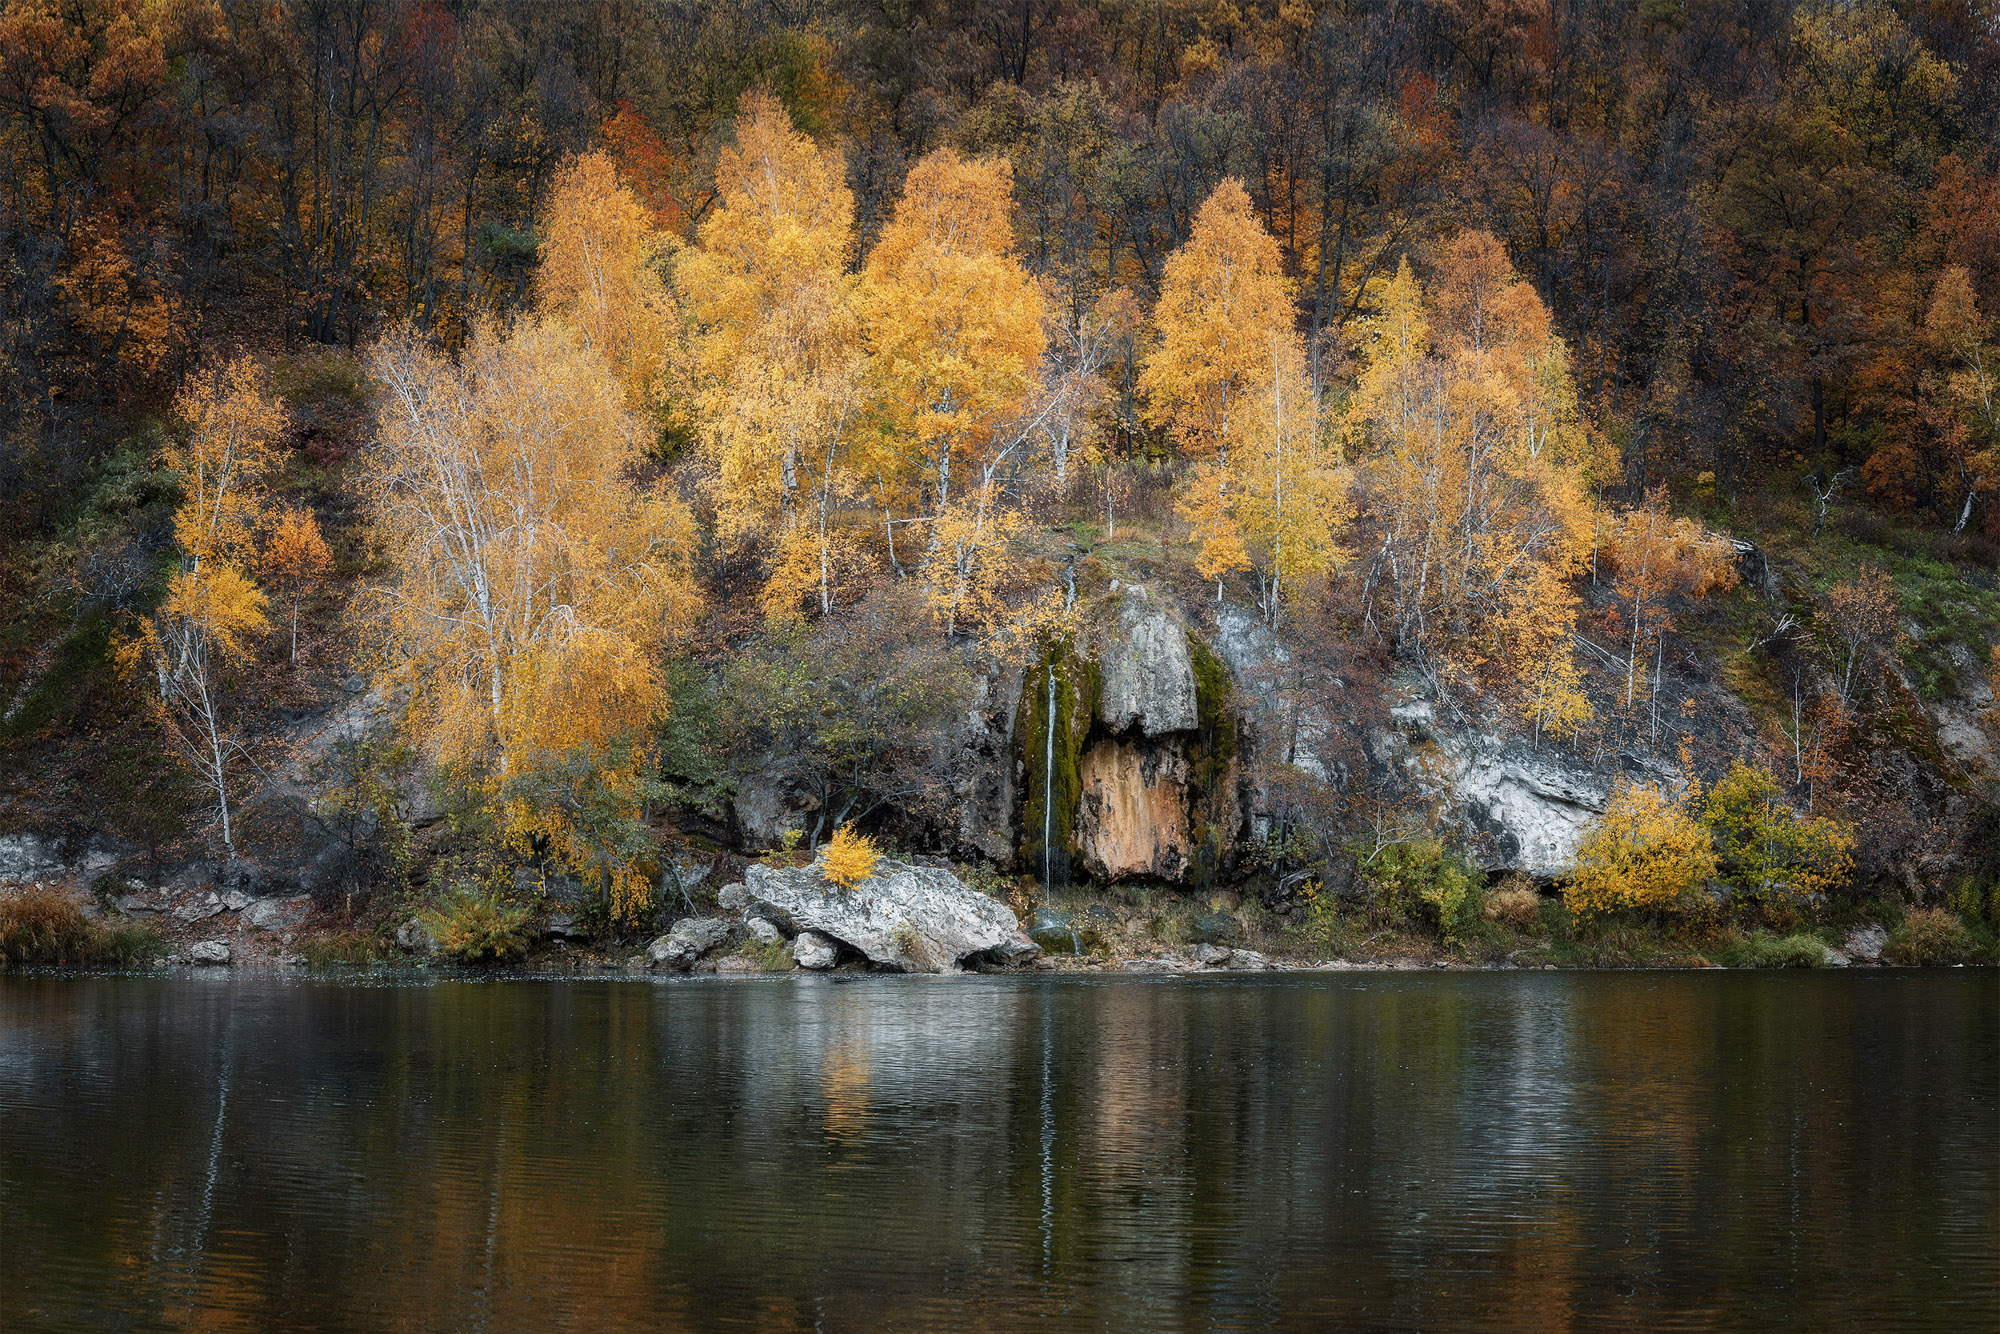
{"x": 1376, "y": 1151}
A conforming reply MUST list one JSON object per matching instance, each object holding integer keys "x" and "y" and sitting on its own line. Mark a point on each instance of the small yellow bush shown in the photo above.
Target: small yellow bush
{"x": 848, "y": 858}
{"x": 1646, "y": 853}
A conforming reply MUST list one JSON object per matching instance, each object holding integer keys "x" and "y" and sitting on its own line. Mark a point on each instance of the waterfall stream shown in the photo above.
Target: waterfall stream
{"x": 1048, "y": 786}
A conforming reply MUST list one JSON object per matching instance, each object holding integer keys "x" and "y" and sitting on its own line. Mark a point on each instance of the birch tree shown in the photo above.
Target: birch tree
{"x": 213, "y": 613}
{"x": 535, "y": 587}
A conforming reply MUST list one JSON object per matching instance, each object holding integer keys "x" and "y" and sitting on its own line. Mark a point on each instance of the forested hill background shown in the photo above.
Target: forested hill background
{"x": 1566, "y": 367}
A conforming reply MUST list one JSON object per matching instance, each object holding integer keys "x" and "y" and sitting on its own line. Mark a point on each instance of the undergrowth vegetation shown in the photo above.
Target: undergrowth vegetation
{"x": 47, "y": 927}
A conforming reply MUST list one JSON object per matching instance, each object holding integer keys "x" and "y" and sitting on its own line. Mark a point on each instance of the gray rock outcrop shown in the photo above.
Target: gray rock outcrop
{"x": 917, "y": 919}
{"x": 284, "y": 914}
{"x": 1865, "y": 943}
{"x": 25, "y": 858}
{"x": 1526, "y": 808}
{"x": 1147, "y": 674}
{"x": 690, "y": 939}
{"x": 415, "y": 937}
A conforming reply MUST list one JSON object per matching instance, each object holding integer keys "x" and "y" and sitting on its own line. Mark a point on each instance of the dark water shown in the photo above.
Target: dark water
{"x": 1448, "y": 1151}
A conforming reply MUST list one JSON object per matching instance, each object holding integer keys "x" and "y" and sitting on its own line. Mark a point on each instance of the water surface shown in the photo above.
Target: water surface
{"x": 1378, "y": 1151}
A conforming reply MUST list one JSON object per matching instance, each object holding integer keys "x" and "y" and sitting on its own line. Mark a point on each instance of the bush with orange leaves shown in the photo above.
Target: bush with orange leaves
{"x": 848, "y": 858}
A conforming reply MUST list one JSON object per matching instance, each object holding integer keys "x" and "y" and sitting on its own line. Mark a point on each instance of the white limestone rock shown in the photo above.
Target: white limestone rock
{"x": 917, "y": 919}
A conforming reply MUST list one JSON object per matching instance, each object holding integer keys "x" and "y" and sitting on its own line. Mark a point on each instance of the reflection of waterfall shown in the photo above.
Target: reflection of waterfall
{"x": 200, "y": 1247}
{"x": 1049, "y": 787}
{"x": 1048, "y": 1145}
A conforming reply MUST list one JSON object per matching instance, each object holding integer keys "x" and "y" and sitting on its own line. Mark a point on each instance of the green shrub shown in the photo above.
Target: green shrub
{"x": 1768, "y": 853}
{"x": 475, "y": 926}
{"x": 1932, "y": 936}
{"x": 773, "y": 956}
{"x": 1426, "y": 878}
{"x": 1977, "y": 904}
{"x": 1765, "y": 951}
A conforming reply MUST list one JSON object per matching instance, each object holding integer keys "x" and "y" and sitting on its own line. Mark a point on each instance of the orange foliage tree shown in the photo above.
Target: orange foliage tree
{"x": 213, "y": 612}
{"x": 536, "y": 589}
{"x": 603, "y": 271}
{"x": 297, "y": 559}
{"x": 779, "y": 351}
{"x": 954, "y": 328}
{"x": 1478, "y": 475}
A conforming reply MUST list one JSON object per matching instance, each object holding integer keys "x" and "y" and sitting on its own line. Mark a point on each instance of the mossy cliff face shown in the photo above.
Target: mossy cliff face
{"x": 1140, "y": 782}
{"x": 1215, "y": 814}
{"x": 1051, "y": 782}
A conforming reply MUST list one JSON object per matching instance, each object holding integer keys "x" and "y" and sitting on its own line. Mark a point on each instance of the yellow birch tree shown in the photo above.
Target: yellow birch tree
{"x": 779, "y": 351}
{"x": 536, "y": 588}
{"x": 213, "y": 612}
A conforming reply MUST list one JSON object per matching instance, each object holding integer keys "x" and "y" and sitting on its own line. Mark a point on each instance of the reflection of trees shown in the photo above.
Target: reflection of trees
{"x": 1391, "y": 1150}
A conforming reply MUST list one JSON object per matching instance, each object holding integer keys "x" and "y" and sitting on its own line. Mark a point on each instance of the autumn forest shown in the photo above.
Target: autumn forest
{"x": 454, "y": 449}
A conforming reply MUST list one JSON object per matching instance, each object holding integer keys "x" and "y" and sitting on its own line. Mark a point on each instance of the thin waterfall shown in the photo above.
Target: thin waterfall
{"x": 1049, "y": 786}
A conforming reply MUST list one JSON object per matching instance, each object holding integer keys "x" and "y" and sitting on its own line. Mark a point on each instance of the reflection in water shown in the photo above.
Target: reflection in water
{"x": 1544, "y": 1151}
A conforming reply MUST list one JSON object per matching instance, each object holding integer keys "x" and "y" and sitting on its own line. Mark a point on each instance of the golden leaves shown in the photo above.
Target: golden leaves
{"x": 535, "y": 585}
{"x": 848, "y": 858}
{"x": 1645, "y": 853}
{"x": 1224, "y": 311}
{"x": 603, "y": 272}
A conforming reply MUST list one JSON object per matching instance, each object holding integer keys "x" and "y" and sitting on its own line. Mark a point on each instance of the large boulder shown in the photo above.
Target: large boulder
{"x": 815, "y": 951}
{"x": 415, "y": 937}
{"x": 284, "y": 914}
{"x": 1148, "y": 676}
{"x": 691, "y": 938}
{"x": 210, "y": 952}
{"x": 917, "y": 919}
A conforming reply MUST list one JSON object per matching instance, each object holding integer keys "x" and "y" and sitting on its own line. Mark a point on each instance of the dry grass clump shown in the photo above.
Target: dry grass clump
{"x": 46, "y": 926}
{"x": 848, "y": 858}
{"x": 1515, "y": 903}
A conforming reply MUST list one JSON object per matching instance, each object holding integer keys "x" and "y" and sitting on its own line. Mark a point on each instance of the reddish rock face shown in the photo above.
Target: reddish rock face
{"x": 1132, "y": 821}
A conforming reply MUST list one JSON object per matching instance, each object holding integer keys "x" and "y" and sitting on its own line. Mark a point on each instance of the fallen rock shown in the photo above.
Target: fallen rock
{"x": 919, "y": 919}
{"x": 812, "y": 950}
{"x": 284, "y": 914}
{"x": 691, "y": 938}
{"x": 765, "y": 930}
{"x": 209, "y": 952}
{"x": 1055, "y": 935}
{"x": 236, "y": 901}
{"x": 1210, "y": 956}
{"x": 1864, "y": 944}
{"x": 733, "y": 896}
{"x": 415, "y": 937}
{"x": 199, "y": 908}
